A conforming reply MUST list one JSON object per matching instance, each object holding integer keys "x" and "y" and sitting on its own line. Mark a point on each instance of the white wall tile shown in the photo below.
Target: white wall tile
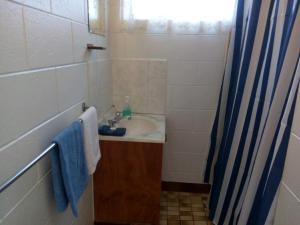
{"x": 49, "y": 130}
{"x": 158, "y": 68}
{"x": 195, "y": 178}
{"x": 98, "y": 41}
{"x": 135, "y": 45}
{"x": 192, "y": 97}
{"x": 190, "y": 120}
{"x": 130, "y": 77}
{"x": 288, "y": 205}
{"x": 203, "y": 120}
{"x": 138, "y": 103}
{"x": 86, "y": 12}
{"x": 28, "y": 212}
{"x": 80, "y": 37}
{"x": 296, "y": 122}
{"x": 33, "y": 143}
{"x": 183, "y": 72}
{"x": 184, "y": 163}
{"x": 288, "y": 208}
{"x": 11, "y": 196}
{"x": 72, "y": 84}
{"x": 139, "y": 45}
{"x": 57, "y": 218}
{"x": 144, "y": 81}
{"x": 180, "y": 120}
{"x": 12, "y": 158}
{"x": 12, "y": 38}
{"x": 48, "y": 39}
{"x": 176, "y": 47}
{"x": 32, "y": 37}
{"x": 71, "y": 9}
{"x": 85, "y": 214}
{"x": 28, "y": 99}
{"x": 195, "y": 72}
{"x": 291, "y": 170}
{"x": 197, "y": 47}
{"x": 156, "y": 105}
{"x": 94, "y": 83}
{"x": 117, "y": 46}
{"x": 157, "y": 88}
{"x": 187, "y": 142}
{"x": 156, "y": 45}
{"x": 39, "y": 4}
{"x": 100, "y": 85}
{"x": 106, "y": 85}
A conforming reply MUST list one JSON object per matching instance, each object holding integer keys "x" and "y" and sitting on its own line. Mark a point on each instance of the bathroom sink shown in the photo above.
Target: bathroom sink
{"x": 146, "y": 128}
{"x": 138, "y": 125}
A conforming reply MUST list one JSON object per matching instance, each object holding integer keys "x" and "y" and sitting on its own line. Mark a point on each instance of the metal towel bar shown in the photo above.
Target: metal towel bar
{"x": 12, "y": 179}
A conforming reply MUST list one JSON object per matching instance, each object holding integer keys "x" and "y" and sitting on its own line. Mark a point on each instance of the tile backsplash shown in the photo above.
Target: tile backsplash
{"x": 144, "y": 80}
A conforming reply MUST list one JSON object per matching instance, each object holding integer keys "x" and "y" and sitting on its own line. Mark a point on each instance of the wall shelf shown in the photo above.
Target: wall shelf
{"x": 94, "y": 47}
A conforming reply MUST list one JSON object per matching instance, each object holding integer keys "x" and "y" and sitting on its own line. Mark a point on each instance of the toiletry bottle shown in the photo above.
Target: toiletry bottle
{"x": 126, "y": 112}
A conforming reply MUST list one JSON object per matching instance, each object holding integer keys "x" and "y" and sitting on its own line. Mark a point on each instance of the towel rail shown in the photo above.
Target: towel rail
{"x": 12, "y": 179}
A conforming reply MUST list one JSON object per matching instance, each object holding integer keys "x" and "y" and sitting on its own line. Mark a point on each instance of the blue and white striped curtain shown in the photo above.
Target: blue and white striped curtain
{"x": 251, "y": 130}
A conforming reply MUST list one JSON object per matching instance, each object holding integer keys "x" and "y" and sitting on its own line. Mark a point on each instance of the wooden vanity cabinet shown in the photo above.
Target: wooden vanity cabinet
{"x": 127, "y": 183}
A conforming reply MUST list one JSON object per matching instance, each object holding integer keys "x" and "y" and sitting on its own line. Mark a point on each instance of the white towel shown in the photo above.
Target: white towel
{"x": 91, "y": 139}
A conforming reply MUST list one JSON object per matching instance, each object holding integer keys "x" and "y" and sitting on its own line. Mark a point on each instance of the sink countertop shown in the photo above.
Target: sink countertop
{"x": 147, "y": 128}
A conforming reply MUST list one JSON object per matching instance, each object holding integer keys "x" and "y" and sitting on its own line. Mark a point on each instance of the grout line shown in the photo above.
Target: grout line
{"x": 51, "y": 5}
{"x": 25, "y": 36}
{"x": 188, "y": 109}
{"x": 73, "y": 44}
{"x": 47, "y": 12}
{"x": 56, "y": 89}
{"x": 295, "y": 136}
{"x": 25, "y": 196}
{"x": 194, "y": 85}
{"x": 32, "y": 70}
{"x": 102, "y": 60}
{"x": 190, "y": 131}
{"x": 290, "y": 191}
{"x": 221, "y": 34}
{"x": 159, "y": 58}
{"x": 5, "y": 146}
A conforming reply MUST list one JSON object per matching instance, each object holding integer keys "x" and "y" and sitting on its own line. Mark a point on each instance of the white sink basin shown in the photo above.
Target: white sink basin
{"x": 138, "y": 125}
{"x": 142, "y": 128}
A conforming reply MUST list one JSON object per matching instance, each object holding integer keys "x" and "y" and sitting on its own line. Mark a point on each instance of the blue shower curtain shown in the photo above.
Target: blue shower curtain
{"x": 251, "y": 130}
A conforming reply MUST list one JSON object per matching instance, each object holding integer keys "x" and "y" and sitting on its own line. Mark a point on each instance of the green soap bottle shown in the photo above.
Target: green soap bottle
{"x": 126, "y": 112}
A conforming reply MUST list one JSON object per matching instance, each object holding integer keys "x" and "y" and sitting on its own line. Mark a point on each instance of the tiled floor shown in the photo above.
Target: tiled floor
{"x": 183, "y": 208}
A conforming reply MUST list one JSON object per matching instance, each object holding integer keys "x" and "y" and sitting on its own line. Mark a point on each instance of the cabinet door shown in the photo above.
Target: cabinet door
{"x": 127, "y": 183}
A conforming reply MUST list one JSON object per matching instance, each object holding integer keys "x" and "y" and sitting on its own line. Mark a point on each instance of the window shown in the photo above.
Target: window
{"x": 192, "y": 11}
{"x": 178, "y": 16}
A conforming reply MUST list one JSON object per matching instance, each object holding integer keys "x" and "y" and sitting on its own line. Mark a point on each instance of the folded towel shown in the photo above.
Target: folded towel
{"x": 106, "y": 131}
{"x": 69, "y": 170}
{"x": 91, "y": 138}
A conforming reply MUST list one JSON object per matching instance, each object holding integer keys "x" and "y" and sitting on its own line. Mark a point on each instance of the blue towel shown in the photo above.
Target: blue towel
{"x": 69, "y": 169}
{"x": 106, "y": 131}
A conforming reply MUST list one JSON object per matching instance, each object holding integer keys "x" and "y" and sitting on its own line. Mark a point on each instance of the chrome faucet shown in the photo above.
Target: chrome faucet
{"x": 115, "y": 120}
